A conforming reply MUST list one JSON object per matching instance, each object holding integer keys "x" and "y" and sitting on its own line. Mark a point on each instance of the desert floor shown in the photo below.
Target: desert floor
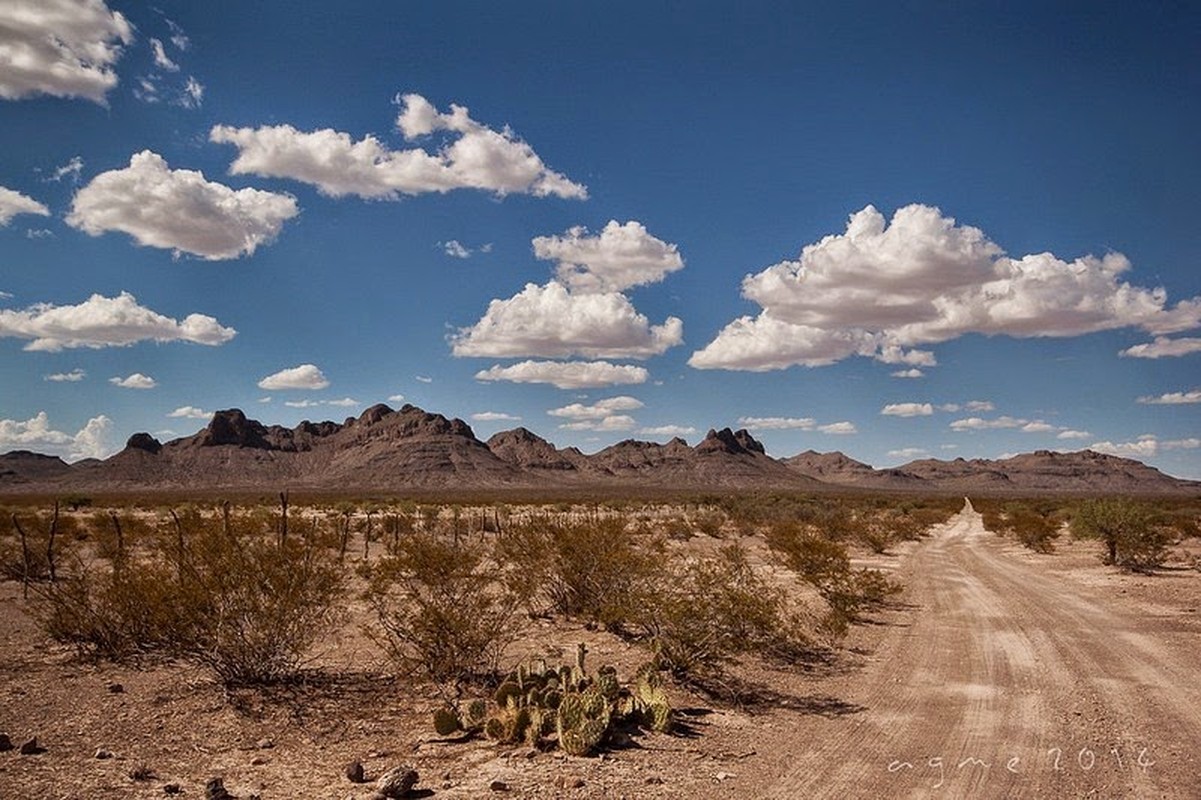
{"x": 999, "y": 673}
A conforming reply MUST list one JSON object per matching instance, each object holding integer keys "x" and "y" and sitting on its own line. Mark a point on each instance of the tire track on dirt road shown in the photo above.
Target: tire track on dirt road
{"x": 1007, "y": 683}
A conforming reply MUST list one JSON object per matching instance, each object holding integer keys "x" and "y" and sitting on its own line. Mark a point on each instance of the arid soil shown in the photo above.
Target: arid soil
{"x": 999, "y": 674}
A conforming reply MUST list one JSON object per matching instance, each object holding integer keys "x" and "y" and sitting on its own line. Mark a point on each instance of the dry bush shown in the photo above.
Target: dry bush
{"x": 1035, "y": 524}
{"x": 594, "y": 569}
{"x": 441, "y": 612}
{"x": 234, "y": 599}
{"x": 826, "y": 565}
{"x": 704, "y": 612}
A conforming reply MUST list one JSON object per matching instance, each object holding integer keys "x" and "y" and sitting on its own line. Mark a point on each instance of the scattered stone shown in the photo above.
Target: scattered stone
{"x": 30, "y": 747}
{"x": 172, "y": 788}
{"x": 397, "y": 781}
{"x": 566, "y": 782}
{"x": 721, "y": 776}
{"x": 6, "y": 743}
{"x": 115, "y": 688}
{"x": 103, "y": 754}
{"x": 654, "y": 780}
{"x": 215, "y": 789}
{"x": 498, "y": 786}
{"x": 141, "y": 773}
{"x": 258, "y": 761}
{"x": 264, "y": 744}
{"x": 354, "y": 772}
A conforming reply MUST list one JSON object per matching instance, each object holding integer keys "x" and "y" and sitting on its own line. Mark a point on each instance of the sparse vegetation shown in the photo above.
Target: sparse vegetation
{"x": 442, "y": 614}
{"x": 239, "y": 601}
{"x": 1134, "y": 536}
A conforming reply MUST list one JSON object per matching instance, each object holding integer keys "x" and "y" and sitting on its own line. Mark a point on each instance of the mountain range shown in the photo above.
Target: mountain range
{"x": 411, "y": 450}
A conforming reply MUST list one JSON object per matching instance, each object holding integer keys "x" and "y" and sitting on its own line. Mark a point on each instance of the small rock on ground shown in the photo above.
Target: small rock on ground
{"x": 355, "y": 773}
{"x": 396, "y": 782}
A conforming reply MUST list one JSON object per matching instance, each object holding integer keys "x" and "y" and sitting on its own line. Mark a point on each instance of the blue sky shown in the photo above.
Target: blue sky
{"x": 895, "y": 230}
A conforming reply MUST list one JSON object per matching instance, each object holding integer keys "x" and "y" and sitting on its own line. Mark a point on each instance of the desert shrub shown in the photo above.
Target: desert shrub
{"x": 709, "y": 522}
{"x": 239, "y": 602}
{"x": 441, "y": 612}
{"x": 1132, "y": 537}
{"x": 595, "y": 569}
{"x": 826, "y": 566}
{"x": 49, "y": 538}
{"x": 704, "y": 612}
{"x": 1035, "y": 525}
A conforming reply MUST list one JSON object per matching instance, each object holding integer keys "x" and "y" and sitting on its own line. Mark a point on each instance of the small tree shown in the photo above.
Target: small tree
{"x": 1127, "y": 529}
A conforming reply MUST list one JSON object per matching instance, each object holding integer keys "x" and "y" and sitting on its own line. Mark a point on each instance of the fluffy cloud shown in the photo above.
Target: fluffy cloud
{"x": 13, "y": 203}
{"x": 71, "y": 170}
{"x": 1164, "y": 347}
{"x": 909, "y": 452}
{"x": 1004, "y": 423}
{"x": 1173, "y": 398}
{"x": 619, "y": 258}
{"x": 478, "y": 158}
{"x": 91, "y": 441}
{"x": 344, "y": 402}
{"x": 74, "y": 376}
{"x": 161, "y": 59}
{"x": 616, "y": 422}
{"x": 190, "y": 412}
{"x": 106, "y": 322}
{"x": 494, "y": 416}
{"x": 305, "y": 376}
{"x": 1073, "y": 434}
{"x": 566, "y": 374}
{"x": 882, "y": 287}
{"x": 668, "y": 430}
{"x": 907, "y": 410}
{"x": 795, "y": 423}
{"x": 455, "y": 249}
{"x": 778, "y": 423}
{"x": 598, "y": 410}
{"x": 550, "y": 321}
{"x": 179, "y": 210}
{"x": 63, "y": 48}
{"x": 908, "y": 373}
{"x": 135, "y": 381}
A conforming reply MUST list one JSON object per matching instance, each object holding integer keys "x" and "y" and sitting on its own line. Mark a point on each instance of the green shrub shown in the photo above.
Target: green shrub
{"x": 441, "y": 612}
{"x": 239, "y": 602}
{"x": 704, "y": 612}
{"x": 1132, "y": 536}
{"x": 826, "y": 565}
{"x": 595, "y": 569}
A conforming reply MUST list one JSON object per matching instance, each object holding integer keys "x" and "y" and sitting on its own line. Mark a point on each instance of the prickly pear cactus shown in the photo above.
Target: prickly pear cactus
{"x": 446, "y": 722}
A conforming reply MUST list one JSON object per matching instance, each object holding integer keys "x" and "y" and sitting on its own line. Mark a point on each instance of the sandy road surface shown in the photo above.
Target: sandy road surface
{"x": 1007, "y": 682}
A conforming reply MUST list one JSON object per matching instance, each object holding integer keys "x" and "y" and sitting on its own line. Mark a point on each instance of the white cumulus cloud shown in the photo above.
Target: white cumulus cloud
{"x": 668, "y": 430}
{"x": 552, "y": 322}
{"x": 91, "y": 441}
{"x": 1074, "y": 434}
{"x": 1173, "y": 398}
{"x": 106, "y": 322}
{"x": 566, "y": 374}
{"x": 478, "y": 157}
{"x": 907, "y": 410}
{"x": 838, "y": 428}
{"x": 882, "y": 287}
{"x": 598, "y": 410}
{"x": 62, "y": 48}
{"x": 1164, "y": 347}
{"x": 908, "y": 373}
{"x": 135, "y": 381}
{"x": 179, "y": 210}
{"x": 161, "y": 59}
{"x": 620, "y": 257}
{"x": 305, "y": 376}
{"x": 493, "y": 416}
{"x": 74, "y": 376}
{"x": 13, "y": 203}
{"x": 616, "y": 422}
{"x": 778, "y": 423}
{"x": 190, "y": 412}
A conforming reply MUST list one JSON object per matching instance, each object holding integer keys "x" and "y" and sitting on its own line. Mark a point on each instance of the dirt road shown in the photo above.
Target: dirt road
{"x": 1005, "y": 681}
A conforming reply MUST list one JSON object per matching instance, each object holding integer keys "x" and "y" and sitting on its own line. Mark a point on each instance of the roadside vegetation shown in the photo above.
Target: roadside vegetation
{"x": 1135, "y": 534}
{"x": 451, "y": 593}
